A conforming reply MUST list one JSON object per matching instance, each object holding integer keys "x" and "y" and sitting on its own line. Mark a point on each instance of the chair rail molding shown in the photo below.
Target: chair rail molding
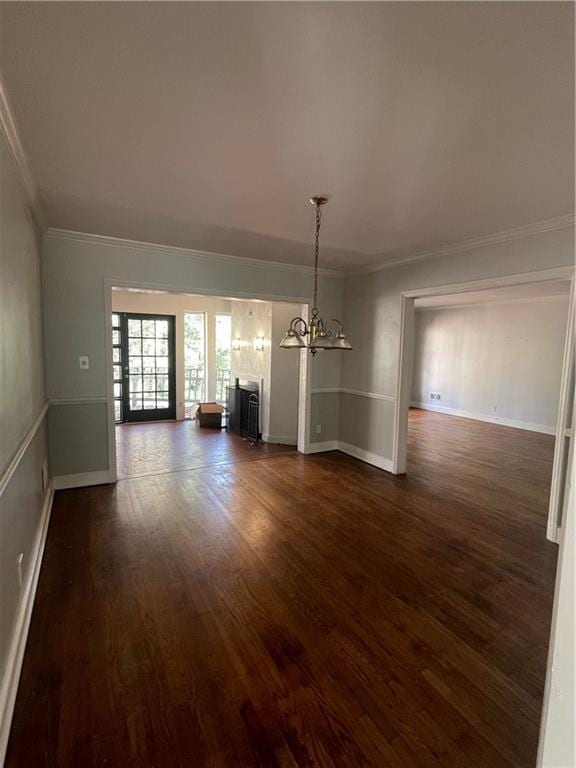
{"x": 21, "y": 450}
{"x": 357, "y": 392}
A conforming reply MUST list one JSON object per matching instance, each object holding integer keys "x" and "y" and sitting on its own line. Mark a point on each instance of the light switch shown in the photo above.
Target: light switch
{"x": 84, "y": 362}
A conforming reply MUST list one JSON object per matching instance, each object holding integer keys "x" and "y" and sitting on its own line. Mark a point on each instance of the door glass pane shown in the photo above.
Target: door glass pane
{"x": 135, "y": 364}
{"x": 135, "y": 383}
{"x": 135, "y": 346}
{"x": 148, "y": 328}
{"x": 117, "y": 367}
{"x": 148, "y": 347}
{"x": 149, "y": 364}
{"x": 161, "y": 364}
{"x": 223, "y": 348}
{"x": 194, "y": 360}
{"x": 134, "y": 327}
{"x": 161, "y": 329}
{"x": 161, "y": 346}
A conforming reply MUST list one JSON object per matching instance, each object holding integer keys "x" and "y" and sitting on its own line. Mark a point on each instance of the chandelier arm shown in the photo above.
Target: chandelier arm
{"x": 294, "y": 323}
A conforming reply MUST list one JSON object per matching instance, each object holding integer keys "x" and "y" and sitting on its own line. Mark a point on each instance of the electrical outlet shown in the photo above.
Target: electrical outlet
{"x": 318, "y": 429}
{"x": 84, "y": 362}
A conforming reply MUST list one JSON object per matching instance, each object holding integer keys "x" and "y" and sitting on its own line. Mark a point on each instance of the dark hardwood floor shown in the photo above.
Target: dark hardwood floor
{"x": 171, "y": 446}
{"x": 298, "y": 611}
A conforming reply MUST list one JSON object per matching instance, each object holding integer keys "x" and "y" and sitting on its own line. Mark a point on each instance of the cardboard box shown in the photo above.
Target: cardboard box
{"x": 210, "y": 415}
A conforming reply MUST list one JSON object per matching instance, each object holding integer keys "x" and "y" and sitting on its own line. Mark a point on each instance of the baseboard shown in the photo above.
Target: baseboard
{"x": 352, "y": 450}
{"x": 504, "y": 422}
{"x": 280, "y": 439}
{"x": 82, "y": 479}
{"x": 328, "y": 445}
{"x": 370, "y": 458}
{"x": 9, "y": 685}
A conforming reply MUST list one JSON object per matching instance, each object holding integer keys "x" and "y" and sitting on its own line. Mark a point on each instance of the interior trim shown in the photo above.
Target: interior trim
{"x": 352, "y": 450}
{"x": 22, "y": 448}
{"x": 82, "y": 479}
{"x": 357, "y": 392}
{"x": 56, "y": 233}
{"x": 503, "y": 421}
{"x": 77, "y": 400}
{"x": 9, "y": 686}
{"x": 10, "y": 132}
{"x": 495, "y": 238}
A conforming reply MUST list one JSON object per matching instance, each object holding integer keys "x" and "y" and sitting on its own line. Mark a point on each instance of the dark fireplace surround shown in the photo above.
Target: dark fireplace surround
{"x": 244, "y": 408}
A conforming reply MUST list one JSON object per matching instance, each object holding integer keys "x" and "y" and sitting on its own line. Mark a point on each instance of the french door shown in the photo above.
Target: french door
{"x": 148, "y": 358}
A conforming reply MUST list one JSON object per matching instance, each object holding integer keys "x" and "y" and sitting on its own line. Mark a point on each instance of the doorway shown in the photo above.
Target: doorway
{"x": 514, "y": 287}
{"x": 213, "y": 340}
{"x": 144, "y": 367}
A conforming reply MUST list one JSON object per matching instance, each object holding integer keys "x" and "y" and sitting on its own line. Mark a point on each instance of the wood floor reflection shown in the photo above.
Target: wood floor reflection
{"x": 298, "y": 611}
{"x": 171, "y": 446}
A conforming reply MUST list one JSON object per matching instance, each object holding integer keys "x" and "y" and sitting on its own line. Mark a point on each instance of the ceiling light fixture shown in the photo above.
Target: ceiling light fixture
{"x": 315, "y": 334}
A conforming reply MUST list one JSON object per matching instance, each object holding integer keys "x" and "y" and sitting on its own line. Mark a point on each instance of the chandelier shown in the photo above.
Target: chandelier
{"x": 315, "y": 334}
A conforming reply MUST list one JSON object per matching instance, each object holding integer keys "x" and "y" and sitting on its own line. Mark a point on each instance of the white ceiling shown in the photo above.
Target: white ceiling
{"x": 528, "y": 292}
{"x": 208, "y": 125}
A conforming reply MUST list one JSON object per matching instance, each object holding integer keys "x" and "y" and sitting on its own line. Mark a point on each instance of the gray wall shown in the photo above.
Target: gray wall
{"x": 74, "y": 274}
{"x": 372, "y": 313}
{"x": 495, "y": 361}
{"x": 21, "y": 394}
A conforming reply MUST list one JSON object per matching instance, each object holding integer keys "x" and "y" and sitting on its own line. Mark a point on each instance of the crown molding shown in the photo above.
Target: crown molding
{"x": 107, "y": 241}
{"x": 502, "y": 236}
{"x": 9, "y": 133}
{"x": 495, "y": 302}
{"x": 15, "y": 146}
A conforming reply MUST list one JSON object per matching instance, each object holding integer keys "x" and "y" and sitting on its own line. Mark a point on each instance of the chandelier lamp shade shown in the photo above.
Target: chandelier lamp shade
{"x": 315, "y": 334}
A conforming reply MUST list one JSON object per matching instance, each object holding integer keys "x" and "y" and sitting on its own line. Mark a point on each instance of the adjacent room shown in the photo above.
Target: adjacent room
{"x": 176, "y": 357}
{"x": 486, "y": 381}
{"x": 287, "y": 384}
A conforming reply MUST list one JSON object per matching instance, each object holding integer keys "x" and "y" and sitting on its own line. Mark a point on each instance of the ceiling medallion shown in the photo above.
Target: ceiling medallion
{"x": 315, "y": 334}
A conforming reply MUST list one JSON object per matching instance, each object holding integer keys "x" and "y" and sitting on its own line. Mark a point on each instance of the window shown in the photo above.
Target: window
{"x": 117, "y": 367}
{"x": 223, "y": 346}
{"x": 194, "y": 360}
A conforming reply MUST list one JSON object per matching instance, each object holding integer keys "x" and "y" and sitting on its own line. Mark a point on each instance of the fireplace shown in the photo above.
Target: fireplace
{"x": 244, "y": 409}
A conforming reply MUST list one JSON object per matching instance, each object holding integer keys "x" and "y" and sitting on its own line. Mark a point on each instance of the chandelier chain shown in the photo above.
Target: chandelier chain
{"x": 316, "y": 252}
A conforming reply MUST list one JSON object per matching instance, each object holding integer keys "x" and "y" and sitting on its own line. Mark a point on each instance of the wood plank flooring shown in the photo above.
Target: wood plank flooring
{"x": 298, "y": 611}
{"x": 171, "y": 446}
